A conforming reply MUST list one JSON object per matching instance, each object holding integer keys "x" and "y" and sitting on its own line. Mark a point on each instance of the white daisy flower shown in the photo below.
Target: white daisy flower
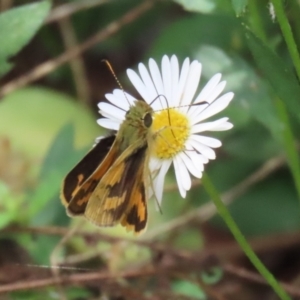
{"x": 180, "y": 143}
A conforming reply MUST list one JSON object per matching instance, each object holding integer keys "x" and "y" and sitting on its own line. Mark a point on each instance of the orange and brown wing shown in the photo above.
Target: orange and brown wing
{"x": 79, "y": 183}
{"x": 135, "y": 217}
{"x": 120, "y": 195}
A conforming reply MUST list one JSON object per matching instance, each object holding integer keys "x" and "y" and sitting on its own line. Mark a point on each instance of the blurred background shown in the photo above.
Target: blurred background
{"x": 52, "y": 78}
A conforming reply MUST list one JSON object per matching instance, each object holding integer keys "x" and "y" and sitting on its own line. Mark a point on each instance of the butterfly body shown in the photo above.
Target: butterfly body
{"x": 108, "y": 185}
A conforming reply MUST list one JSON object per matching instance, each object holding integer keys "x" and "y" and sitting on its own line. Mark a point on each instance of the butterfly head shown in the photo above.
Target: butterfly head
{"x": 139, "y": 115}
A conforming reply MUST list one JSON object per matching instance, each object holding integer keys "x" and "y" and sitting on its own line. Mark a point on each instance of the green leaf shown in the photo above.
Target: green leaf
{"x": 269, "y": 207}
{"x": 18, "y": 26}
{"x": 240, "y": 144}
{"x": 281, "y": 78}
{"x": 46, "y": 191}
{"x": 252, "y": 98}
{"x": 9, "y": 205}
{"x": 189, "y": 239}
{"x": 60, "y": 150}
{"x": 240, "y": 238}
{"x": 41, "y": 113}
{"x": 213, "y": 276}
{"x": 239, "y": 6}
{"x": 203, "y": 6}
{"x": 193, "y": 33}
{"x": 188, "y": 288}
{"x": 289, "y": 143}
{"x": 44, "y": 204}
{"x": 42, "y": 247}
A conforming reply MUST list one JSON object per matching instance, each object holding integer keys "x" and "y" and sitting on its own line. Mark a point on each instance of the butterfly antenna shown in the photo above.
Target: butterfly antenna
{"x": 116, "y": 78}
{"x": 169, "y": 117}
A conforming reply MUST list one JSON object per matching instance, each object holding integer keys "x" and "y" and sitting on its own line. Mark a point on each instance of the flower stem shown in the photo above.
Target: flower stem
{"x": 287, "y": 34}
{"x": 224, "y": 213}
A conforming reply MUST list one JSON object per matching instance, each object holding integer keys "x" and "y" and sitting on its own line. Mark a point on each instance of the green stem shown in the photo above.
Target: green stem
{"x": 287, "y": 34}
{"x": 224, "y": 213}
{"x": 294, "y": 12}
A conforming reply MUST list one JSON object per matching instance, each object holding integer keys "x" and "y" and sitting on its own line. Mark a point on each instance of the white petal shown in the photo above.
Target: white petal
{"x": 156, "y": 77}
{"x": 109, "y": 124}
{"x": 208, "y": 141}
{"x": 160, "y": 179}
{"x": 116, "y": 102}
{"x": 182, "y": 191}
{"x": 182, "y": 80}
{"x": 208, "y": 126}
{"x": 209, "y": 87}
{"x": 191, "y": 165}
{"x": 197, "y": 109}
{"x": 98, "y": 139}
{"x": 191, "y": 86}
{"x": 124, "y": 96}
{"x": 167, "y": 79}
{"x": 111, "y": 117}
{"x": 216, "y": 92}
{"x": 222, "y": 127}
{"x": 116, "y": 112}
{"x": 138, "y": 84}
{"x": 149, "y": 85}
{"x": 175, "y": 79}
{"x": 194, "y": 155}
{"x": 203, "y": 149}
{"x": 198, "y": 159}
{"x": 214, "y": 108}
{"x": 184, "y": 174}
{"x": 154, "y": 164}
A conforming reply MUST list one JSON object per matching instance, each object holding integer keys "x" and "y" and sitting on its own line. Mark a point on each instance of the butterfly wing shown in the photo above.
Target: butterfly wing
{"x": 95, "y": 163}
{"x": 120, "y": 195}
{"x": 135, "y": 217}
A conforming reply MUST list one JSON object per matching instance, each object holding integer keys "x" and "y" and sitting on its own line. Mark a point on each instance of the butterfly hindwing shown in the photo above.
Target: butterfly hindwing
{"x": 120, "y": 196}
{"x": 135, "y": 217}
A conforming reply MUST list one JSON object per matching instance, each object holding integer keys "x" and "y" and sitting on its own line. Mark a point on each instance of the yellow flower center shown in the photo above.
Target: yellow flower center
{"x": 171, "y": 129}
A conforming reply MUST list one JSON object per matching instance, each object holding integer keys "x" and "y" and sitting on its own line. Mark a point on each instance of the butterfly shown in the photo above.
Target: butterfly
{"x": 108, "y": 186}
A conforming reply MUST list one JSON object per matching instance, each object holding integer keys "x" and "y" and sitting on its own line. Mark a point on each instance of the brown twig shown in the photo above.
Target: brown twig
{"x": 54, "y": 258}
{"x": 49, "y": 66}
{"x": 231, "y": 250}
{"x": 254, "y": 277}
{"x": 76, "y": 279}
{"x": 168, "y": 269}
{"x": 76, "y": 64}
{"x": 71, "y": 8}
{"x": 181, "y": 260}
{"x": 62, "y": 231}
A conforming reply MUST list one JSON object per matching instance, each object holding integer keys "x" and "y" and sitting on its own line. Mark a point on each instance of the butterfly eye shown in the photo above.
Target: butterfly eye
{"x": 147, "y": 120}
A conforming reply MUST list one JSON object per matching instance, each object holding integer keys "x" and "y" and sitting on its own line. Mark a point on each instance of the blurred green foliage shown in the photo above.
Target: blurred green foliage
{"x": 18, "y": 26}
{"x": 46, "y": 129}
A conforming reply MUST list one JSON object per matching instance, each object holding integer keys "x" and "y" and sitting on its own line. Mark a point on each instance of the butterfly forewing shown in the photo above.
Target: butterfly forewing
{"x": 87, "y": 183}
{"x": 84, "y": 169}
